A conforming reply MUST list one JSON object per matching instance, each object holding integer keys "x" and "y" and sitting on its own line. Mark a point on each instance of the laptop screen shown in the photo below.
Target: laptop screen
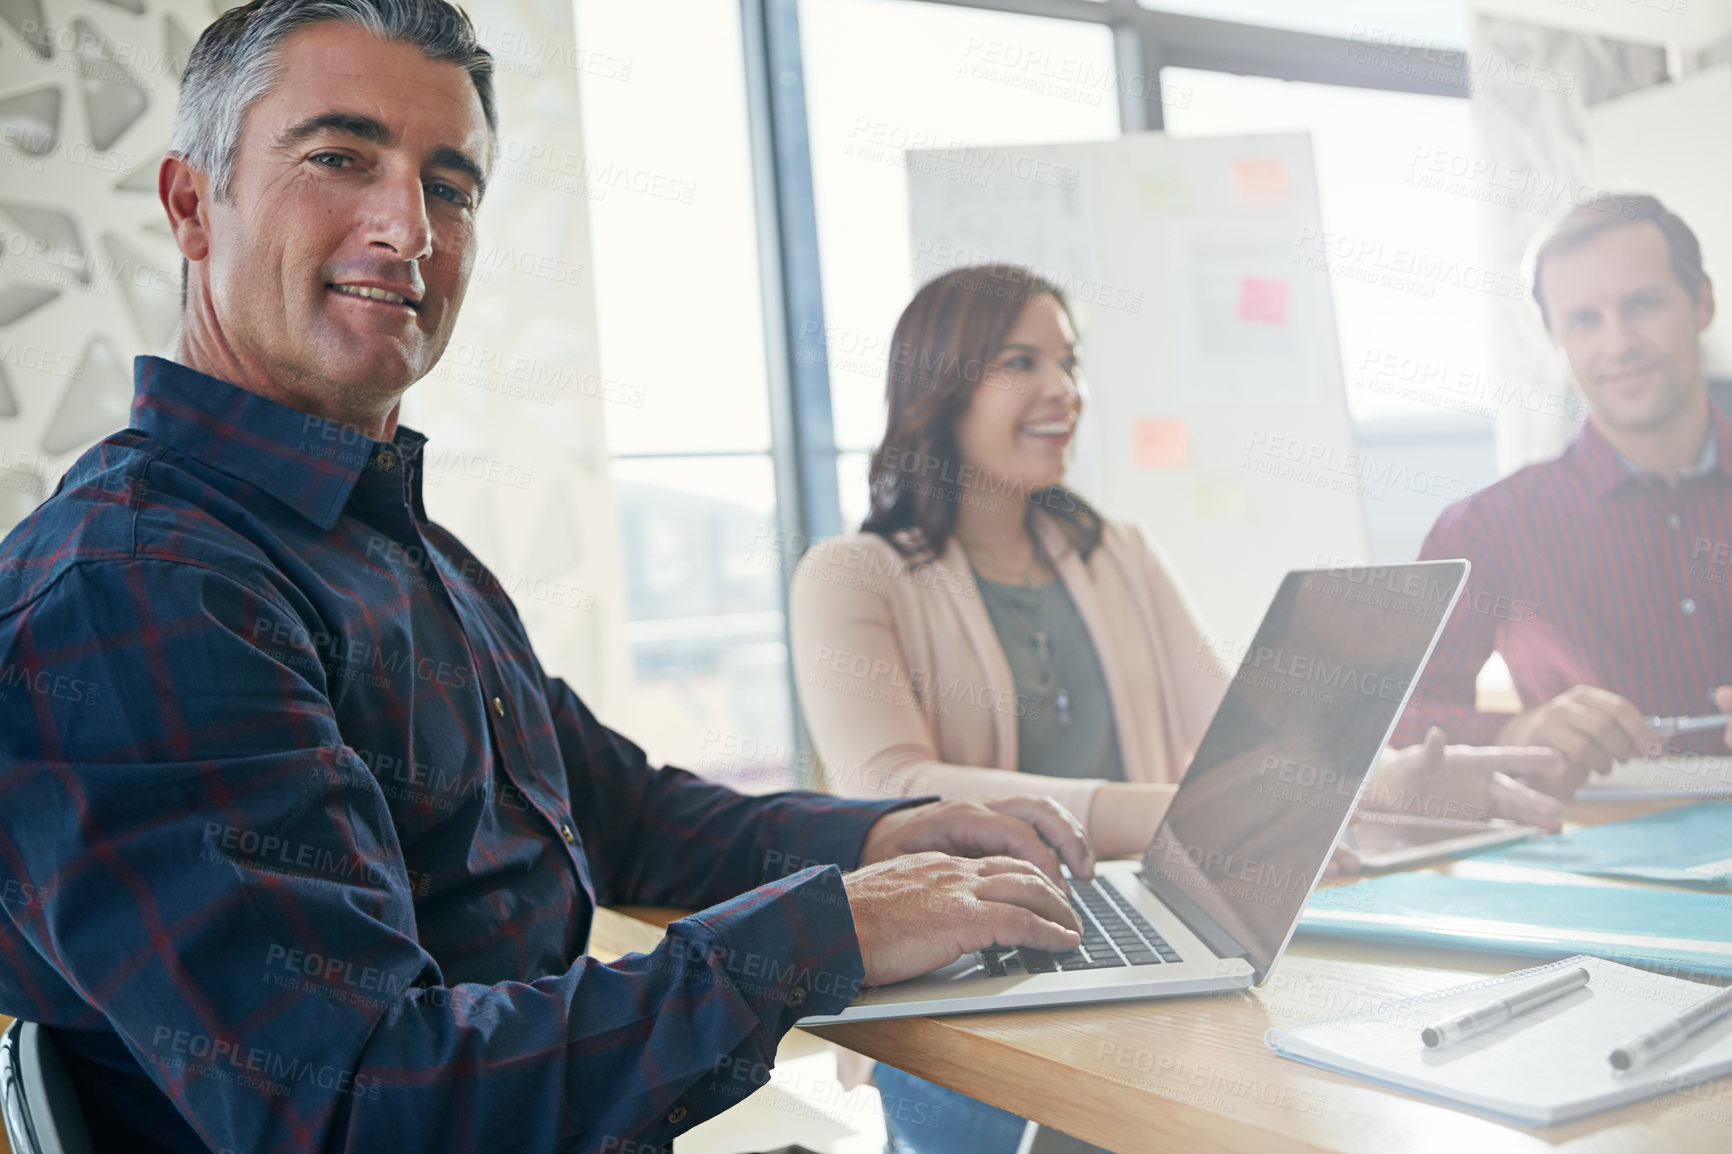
{"x": 1315, "y": 697}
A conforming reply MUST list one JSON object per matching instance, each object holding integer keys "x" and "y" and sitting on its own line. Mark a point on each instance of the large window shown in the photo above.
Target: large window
{"x": 1374, "y": 151}
{"x": 1435, "y": 22}
{"x": 668, "y": 165}
{"x": 764, "y": 126}
{"x": 1410, "y": 302}
{"x": 884, "y": 77}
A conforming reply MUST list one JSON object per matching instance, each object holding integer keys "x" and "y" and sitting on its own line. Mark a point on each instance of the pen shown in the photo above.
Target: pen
{"x": 1689, "y": 724}
{"x": 1495, "y": 1013}
{"x": 1671, "y": 1035}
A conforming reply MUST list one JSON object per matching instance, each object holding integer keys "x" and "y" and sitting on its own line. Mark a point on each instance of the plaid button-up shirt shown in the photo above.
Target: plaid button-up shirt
{"x": 300, "y": 846}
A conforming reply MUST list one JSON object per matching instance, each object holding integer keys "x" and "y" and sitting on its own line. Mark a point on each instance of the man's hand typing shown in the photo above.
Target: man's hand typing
{"x": 1035, "y": 829}
{"x": 920, "y": 902}
{"x": 916, "y": 913}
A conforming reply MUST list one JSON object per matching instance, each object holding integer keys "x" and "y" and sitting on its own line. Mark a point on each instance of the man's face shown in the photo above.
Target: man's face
{"x": 359, "y": 173}
{"x": 1628, "y": 328}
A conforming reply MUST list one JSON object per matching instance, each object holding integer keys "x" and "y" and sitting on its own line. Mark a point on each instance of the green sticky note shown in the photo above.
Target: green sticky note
{"x": 1219, "y": 496}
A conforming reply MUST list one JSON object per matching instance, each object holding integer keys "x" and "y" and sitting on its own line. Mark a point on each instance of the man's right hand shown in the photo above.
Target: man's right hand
{"x": 916, "y": 913}
{"x": 1590, "y": 726}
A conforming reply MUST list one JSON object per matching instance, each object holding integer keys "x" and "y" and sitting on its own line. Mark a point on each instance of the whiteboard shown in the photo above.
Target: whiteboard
{"x": 1216, "y": 414}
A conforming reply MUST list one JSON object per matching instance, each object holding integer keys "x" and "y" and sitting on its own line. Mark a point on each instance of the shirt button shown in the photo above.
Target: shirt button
{"x": 797, "y": 997}
{"x": 565, "y": 832}
{"x": 499, "y": 706}
{"x": 1688, "y": 605}
{"x": 1674, "y": 520}
{"x": 677, "y": 1115}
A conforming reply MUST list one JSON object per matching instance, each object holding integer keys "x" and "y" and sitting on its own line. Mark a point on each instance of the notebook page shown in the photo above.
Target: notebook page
{"x": 1546, "y": 1066}
{"x": 1674, "y": 775}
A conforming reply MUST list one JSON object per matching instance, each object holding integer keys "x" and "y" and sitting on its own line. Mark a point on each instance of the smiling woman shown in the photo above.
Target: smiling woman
{"x": 984, "y": 395}
{"x": 379, "y": 158}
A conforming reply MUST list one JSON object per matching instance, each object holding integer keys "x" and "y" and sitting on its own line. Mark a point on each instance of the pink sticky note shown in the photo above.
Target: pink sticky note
{"x": 1261, "y": 180}
{"x": 1163, "y": 443}
{"x": 1263, "y": 301}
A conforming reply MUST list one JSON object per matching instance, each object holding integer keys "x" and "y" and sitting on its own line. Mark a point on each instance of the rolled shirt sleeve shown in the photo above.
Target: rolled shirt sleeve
{"x": 665, "y": 837}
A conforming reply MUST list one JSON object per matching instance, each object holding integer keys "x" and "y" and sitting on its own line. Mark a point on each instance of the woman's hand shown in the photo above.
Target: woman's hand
{"x": 1467, "y": 783}
{"x": 1344, "y": 863}
{"x": 1124, "y": 816}
{"x": 1474, "y": 782}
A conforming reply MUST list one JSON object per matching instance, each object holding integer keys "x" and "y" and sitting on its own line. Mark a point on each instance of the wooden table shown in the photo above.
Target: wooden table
{"x": 1193, "y": 1074}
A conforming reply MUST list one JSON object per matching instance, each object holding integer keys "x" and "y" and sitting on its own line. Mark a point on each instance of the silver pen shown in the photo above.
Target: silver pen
{"x": 1670, "y": 1035}
{"x": 1689, "y": 724}
{"x": 1496, "y": 1013}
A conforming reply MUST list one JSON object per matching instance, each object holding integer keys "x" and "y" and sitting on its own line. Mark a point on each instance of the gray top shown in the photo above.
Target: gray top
{"x": 1089, "y": 745}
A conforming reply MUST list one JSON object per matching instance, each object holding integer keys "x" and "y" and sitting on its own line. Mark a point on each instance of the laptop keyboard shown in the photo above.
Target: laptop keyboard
{"x": 1115, "y": 933}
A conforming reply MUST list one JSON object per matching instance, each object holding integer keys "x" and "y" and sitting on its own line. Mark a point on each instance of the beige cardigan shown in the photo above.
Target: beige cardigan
{"x": 906, "y": 689}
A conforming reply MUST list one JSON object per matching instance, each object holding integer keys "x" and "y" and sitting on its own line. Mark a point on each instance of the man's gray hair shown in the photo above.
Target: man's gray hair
{"x": 236, "y": 61}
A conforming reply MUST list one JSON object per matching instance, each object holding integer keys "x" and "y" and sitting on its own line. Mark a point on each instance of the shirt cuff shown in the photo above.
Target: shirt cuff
{"x": 788, "y": 949}
{"x": 834, "y": 831}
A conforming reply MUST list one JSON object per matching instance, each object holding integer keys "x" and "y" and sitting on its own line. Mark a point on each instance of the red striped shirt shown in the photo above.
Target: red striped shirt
{"x": 1585, "y": 573}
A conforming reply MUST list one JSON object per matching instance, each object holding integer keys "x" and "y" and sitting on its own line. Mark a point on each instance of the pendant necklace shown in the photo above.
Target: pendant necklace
{"x": 1049, "y": 673}
{"x": 1048, "y": 686}
{"x": 1049, "y": 682}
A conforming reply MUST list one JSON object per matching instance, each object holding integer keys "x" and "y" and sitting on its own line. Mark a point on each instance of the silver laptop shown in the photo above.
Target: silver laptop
{"x": 1215, "y": 899}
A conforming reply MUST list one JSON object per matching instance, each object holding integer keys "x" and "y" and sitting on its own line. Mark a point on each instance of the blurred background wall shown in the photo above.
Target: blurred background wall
{"x": 669, "y": 371}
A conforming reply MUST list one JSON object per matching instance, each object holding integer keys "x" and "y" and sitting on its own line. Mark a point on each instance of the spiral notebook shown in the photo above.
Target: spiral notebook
{"x": 1538, "y": 1069}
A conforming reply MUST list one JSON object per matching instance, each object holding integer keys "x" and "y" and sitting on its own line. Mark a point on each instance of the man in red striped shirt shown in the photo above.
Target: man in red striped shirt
{"x": 1602, "y": 576}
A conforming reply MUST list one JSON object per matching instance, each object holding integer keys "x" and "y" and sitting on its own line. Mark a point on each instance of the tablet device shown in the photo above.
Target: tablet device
{"x": 1393, "y": 841}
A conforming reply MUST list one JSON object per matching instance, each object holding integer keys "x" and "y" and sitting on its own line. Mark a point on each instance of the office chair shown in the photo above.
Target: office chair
{"x": 40, "y": 1106}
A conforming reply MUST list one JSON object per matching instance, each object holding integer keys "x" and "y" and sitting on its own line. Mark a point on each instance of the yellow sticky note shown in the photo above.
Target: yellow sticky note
{"x": 1162, "y": 443}
{"x": 1219, "y": 496}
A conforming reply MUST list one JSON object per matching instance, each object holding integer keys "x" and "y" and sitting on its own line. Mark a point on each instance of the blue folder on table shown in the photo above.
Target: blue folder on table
{"x": 1685, "y": 929}
{"x": 1691, "y": 845}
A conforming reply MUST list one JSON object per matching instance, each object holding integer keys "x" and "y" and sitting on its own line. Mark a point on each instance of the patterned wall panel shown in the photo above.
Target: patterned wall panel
{"x": 86, "y": 281}
{"x": 1535, "y": 136}
{"x": 89, "y": 278}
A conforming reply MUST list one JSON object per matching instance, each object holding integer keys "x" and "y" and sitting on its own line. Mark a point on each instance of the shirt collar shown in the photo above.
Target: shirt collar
{"x": 1603, "y": 468}
{"x": 309, "y": 463}
{"x": 1704, "y": 466}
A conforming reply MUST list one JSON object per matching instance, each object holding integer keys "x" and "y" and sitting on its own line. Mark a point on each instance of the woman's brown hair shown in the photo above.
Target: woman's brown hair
{"x": 947, "y": 337}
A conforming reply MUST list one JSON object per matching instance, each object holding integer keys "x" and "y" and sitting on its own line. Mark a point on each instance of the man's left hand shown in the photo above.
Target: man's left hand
{"x": 1036, "y": 829}
{"x": 1723, "y": 702}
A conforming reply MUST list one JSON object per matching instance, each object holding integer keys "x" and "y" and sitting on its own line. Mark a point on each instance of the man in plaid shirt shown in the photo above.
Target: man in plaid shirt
{"x": 301, "y": 845}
